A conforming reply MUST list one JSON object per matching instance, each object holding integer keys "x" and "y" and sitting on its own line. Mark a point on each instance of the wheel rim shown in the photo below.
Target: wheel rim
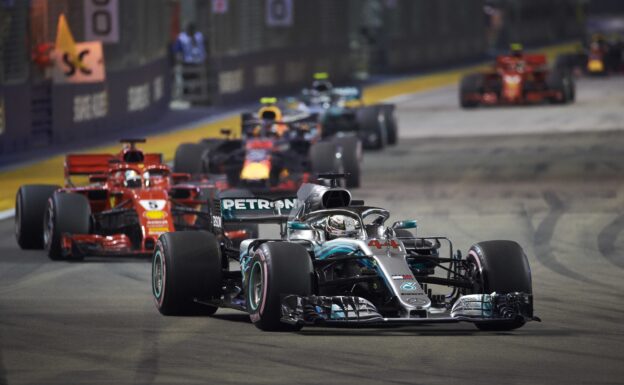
{"x": 476, "y": 277}
{"x": 48, "y": 227}
{"x": 256, "y": 281}
{"x": 158, "y": 275}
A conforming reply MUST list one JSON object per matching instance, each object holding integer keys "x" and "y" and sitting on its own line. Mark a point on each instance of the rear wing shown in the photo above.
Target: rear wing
{"x": 348, "y": 93}
{"x": 86, "y": 164}
{"x": 301, "y": 123}
{"x": 534, "y": 60}
{"x": 291, "y": 120}
{"x": 89, "y": 164}
{"x": 256, "y": 210}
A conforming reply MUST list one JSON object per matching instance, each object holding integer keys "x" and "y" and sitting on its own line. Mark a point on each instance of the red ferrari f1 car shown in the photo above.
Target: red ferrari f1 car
{"x": 517, "y": 79}
{"x": 131, "y": 198}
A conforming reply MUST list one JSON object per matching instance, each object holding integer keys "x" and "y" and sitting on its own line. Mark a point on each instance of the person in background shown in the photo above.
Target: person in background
{"x": 190, "y": 51}
{"x": 190, "y": 47}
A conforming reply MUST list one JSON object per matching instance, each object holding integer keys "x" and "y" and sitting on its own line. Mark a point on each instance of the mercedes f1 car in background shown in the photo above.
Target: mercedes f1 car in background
{"x": 338, "y": 263}
{"x": 517, "y": 78}
{"x": 277, "y": 153}
{"x": 341, "y": 109}
{"x": 130, "y": 200}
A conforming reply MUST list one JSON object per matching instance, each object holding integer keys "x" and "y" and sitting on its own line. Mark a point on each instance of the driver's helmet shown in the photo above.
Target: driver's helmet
{"x": 516, "y": 50}
{"x": 342, "y": 226}
{"x": 132, "y": 179}
{"x": 322, "y": 86}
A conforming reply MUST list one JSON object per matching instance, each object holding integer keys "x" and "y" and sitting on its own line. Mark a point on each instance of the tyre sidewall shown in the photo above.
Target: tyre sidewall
{"x": 351, "y": 155}
{"x": 30, "y": 205}
{"x": 286, "y": 269}
{"x": 66, "y": 213}
{"x": 191, "y": 268}
{"x": 504, "y": 268}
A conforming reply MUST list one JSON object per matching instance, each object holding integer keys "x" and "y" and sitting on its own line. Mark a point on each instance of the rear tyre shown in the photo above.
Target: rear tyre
{"x": 392, "y": 126}
{"x": 372, "y": 128}
{"x": 470, "y": 85}
{"x": 562, "y": 82}
{"x": 571, "y": 89}
{"x": 185, "y": 266}
{"x": 66, "y": 213}
{"x": 189, "y": 158}
{"x": 30, "y": 205}
{"x": 277, "y": 269}
{"x": 323, "y": 158}
{"x": 351, "y": 150}
{"x": 501, "y": 267}
{"x": 568, "y": 63}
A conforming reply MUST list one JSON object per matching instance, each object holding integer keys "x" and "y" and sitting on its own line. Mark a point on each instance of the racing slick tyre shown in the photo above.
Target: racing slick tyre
{"x": 502, "y": 267}
{"x": 392, "y": 126}
{"x": 562, "y": 82}
{"x": 252, "y": 229}
{"x": 277, "y": 269}
{"x": 470, "y": 85}
{"x": 189, "y": 158}
{"x": 323, "y": 158}
{"x": 30, "y": 205}
{"x": 569, "y": 62}
{"x": 186, "y": 266}
{"x": 351, "y": 154}
{"x": 66, "y": 213}
{"x": 372, "y": 127}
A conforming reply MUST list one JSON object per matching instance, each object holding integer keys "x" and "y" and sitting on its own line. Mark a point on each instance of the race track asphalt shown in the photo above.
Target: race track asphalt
{"x": 558, "y": 190}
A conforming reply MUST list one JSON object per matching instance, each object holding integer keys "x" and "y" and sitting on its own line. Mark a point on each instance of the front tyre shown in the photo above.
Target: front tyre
{"x": 469, "y": 87}
{"x": 277, "y": 269}
{"x": 392, "y": 126}
{"x": 66, "y": 213}
{"x": 501, "y": 267}
{"x": 186, "y": 266}
{"x": 30, "y": 206}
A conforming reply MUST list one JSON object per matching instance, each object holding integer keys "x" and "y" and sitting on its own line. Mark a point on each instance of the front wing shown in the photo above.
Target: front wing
{"x": 357, "y": 311}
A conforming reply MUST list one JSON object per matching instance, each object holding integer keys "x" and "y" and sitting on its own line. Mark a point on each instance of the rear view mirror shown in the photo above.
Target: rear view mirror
{"x": 294, "y": 225}
{"x": 406, "y": 224}
{"x": 226, "y": 132}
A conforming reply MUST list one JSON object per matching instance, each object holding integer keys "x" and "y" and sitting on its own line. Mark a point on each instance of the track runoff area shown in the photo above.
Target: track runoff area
{"x": 549, "y": 177}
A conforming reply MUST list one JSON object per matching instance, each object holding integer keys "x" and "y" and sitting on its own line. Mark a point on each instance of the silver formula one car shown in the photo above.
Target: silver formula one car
{"x": 338, "y": 263}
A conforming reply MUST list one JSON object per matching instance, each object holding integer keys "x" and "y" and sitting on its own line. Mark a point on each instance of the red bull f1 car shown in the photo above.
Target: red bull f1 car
{"x": 276, "y": 153}
{"x": 602, "y": 52}
{"x": 517, "y": 79}
{"x": 131, "y": 198}
{"x": 600, "y": 58}
{"x": 337, "y": 262}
